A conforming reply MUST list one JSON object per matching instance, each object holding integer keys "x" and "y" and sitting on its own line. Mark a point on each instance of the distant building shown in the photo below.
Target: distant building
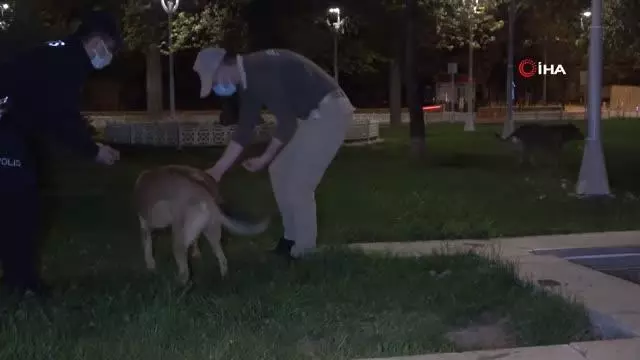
{"x": 454, "y": 95}
{"x": 622, "y": 97}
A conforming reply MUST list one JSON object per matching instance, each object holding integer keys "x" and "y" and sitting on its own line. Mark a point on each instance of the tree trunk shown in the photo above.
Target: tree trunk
{"x": 154, "y": 83}
{"x": 395, "y": 92}
{"x": 417, "y": 129}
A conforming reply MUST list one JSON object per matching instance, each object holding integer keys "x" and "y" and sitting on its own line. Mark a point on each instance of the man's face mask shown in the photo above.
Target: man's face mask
{"x": 221, "y": 89}
{"x": 101, "y": 61}
{"x": 224, "y": 86}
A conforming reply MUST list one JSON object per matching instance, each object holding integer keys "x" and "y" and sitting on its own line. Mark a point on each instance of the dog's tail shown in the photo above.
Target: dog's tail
{"x": 241, "y": 227}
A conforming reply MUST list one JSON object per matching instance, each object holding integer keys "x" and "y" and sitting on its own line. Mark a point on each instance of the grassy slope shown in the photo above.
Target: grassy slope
{"x": 335, "y": 306}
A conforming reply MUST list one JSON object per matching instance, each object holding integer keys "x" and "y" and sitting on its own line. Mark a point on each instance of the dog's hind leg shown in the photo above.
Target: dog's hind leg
{"x": 185, "y": 233}
{"x": 147, "y": 244}
{"x": 213, "y": 232}
{"x": 180, "y": 254}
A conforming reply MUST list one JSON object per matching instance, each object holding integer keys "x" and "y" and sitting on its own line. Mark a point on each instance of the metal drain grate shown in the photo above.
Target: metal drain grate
{"x": 622, "y": 262}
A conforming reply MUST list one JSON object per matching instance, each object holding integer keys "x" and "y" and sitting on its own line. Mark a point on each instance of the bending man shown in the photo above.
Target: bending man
{"x": 292, "y": 87}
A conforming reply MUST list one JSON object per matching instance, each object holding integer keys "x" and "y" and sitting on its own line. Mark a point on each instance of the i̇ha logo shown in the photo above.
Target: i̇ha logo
{"x": 527, "y": 68}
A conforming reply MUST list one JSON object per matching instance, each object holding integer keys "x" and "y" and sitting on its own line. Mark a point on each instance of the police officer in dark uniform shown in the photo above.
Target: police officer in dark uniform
{"x": 40, "y": 91}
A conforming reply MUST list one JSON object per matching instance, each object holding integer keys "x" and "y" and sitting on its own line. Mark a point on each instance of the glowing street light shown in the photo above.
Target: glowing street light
{"x": 584, "y": 15}
{"x": 338, "y": 29}
{"x": 338, "y": 23}
{"x": 170, "y": 7}
{"x": 4, "y": 7}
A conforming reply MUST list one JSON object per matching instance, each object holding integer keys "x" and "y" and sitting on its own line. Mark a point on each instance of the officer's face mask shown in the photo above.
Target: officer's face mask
{"x": 101, "y": 56}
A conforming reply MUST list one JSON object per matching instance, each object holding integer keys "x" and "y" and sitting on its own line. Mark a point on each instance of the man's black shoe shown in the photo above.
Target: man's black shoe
{"x": 284, "y": 248}
{"x": 39, "y": 289}
{"x": 35, "y": 288}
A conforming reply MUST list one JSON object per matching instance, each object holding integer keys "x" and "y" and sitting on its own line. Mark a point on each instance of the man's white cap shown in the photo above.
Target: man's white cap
{"x": 206, "y": 64}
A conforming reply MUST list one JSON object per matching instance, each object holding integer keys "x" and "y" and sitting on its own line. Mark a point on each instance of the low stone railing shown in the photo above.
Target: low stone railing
{"x": 203, "y": 128}
{"x": 209, "y": 132}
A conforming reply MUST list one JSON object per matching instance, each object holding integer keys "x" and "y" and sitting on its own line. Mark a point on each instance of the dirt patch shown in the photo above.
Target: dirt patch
{"x": 487, "y": 333}
{"x": 312, "y": 349}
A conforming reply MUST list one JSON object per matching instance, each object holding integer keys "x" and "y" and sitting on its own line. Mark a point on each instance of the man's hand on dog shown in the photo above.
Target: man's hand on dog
{"x": 215, "y": 173}
{"x": 107, "y": 155}
{"x": 255, "y": 163}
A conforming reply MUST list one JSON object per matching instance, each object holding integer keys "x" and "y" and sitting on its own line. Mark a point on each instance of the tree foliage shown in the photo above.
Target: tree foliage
{"x": 555, "y": 20}
{"x": 455, "y": 17}
{"x": 555, "y": 28}
{"x": 621, "y": 29}
{"x": 145, "y": 24}
{"x": 355, "y": 55}
{"x": 24, "y": 26}
{"x": 374, "y": 32}
{"x": 199, "y": 29}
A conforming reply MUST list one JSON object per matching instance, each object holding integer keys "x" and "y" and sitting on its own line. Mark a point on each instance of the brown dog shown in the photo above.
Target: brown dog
{"x": 186, "y": 199}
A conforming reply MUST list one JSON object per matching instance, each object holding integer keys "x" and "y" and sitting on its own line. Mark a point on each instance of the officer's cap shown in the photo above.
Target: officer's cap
{"x": 100, "y": 22}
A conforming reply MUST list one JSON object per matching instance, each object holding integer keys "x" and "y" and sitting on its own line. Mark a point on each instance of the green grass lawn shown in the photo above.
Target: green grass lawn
{"x": 338, "y": 304}
{"x": 470, "y": 186}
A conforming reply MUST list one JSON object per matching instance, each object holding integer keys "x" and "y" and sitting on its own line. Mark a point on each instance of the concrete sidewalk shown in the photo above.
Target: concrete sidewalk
{"x": 614, "y": 304}
{"x": 628, "y": 349}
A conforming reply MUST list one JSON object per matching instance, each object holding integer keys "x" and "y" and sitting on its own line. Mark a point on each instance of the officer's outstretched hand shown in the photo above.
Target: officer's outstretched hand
{"x": 107, "y": 155}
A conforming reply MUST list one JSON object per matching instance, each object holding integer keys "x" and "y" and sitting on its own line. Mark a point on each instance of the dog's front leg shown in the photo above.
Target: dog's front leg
{"x": 147, "y": 244}
{"x": 195, "y": 250}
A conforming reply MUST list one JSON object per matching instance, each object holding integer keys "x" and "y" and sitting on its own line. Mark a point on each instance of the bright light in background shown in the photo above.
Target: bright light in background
{"x": 338, "y": 20}
{"x": 5, "y": 14}
{"x": 432, "y": 107}
{"x": 583, "y": 16}
{"x": 336, "y": 23}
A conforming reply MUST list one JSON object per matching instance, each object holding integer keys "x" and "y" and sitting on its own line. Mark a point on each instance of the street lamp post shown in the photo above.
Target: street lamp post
{"x": 337, "y": 27}
{"x": 469, "y": 124}
{"x": 170, "y": 7}
{"x": 593, "y": 179}
{"x": 583, "y": 16}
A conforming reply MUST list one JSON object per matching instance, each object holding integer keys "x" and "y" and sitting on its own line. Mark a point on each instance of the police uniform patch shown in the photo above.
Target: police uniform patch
{"x": 56, "y": 43}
